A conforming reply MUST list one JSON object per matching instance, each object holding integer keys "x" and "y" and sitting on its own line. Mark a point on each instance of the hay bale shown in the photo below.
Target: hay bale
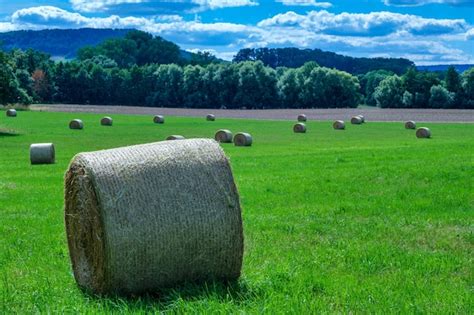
{"x": 106, "y": 121}
{"x": 11, "y": 112}
{"x": 302, "y": 118}
{"x": 243, "y": 139}
{"x": 223, "y": 136}
{"x": 299, "y": 128}
{"x": 175, "y": 137}
{"x": 423, "y": 132}
{"x": 42, "y": 153}
{"x": 152, "y": 216}
{"x": 210, "y": 117}
{"x": 76, "y": 124}
{"x": 356, "y": 120}
{"x": 159, "y": 119}
{"x": 339, "y": 125}
{"x": 362, "y": 117}
{"x": 410, "y": 125}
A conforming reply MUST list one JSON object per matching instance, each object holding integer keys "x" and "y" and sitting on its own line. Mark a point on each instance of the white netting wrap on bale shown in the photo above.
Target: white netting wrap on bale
{"x": 299, "y": 128}
{"x": 42, "y": 153}
{"x": 410, "y": 125}
{"x": 106, "y": 121}
{"x": 11, "y": 112}
{"x": 223, "y": 136}
{"x": 175, "y": 137}
{"x": 339, "y": 125}
{"x": 210, "y": 117}
{"x": 356, "y": 120}
{"x": 362, "y": 118}
{"x": 159, "y": 119}
{"x": 152, "y": 216}
{"x": 76, "y": 124}
{"x": 423, "y": 132}
{"x": 243, "y": 139}
{"x": 302, "y": 118}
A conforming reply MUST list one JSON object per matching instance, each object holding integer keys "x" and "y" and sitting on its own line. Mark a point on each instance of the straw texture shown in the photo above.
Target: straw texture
{"x": 175, "y": 137}
{"x": 159, "y": 119}
{"x": 362, "y": 117}
{"x": 223, "y": 136}
{"x": 339, "y": 125}
{"x": 106, "y": 121}
{"x": 152, "y": 216}
{"x": 76, "y": 124}
{"x": 11, "y": 112}
{"x": 243, "y": 139}
{"x": 299, "y": 128}
{"x": 356, "y": 120}
{"x": 42, "y": 153}
{"x": 410, "y": 125}
{"x": 423, "y": 132}
{"x": 302, "y": 118}
{"x": 210, "y": 117}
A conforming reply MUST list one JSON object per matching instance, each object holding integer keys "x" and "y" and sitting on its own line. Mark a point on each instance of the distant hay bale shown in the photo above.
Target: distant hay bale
{"x": 223, "y": 136}
{"x": 42, "y": 153}
{"x": 76, "y": 124}
{"x": 159, "y": 119}
{"x": 152, "y": 216}
{"x": 106, "y": 121}
{"x": 356, "y": 120}
{"x": 410, "y": 125}
{"x": 243, "y": 139}
{"x": 175, "y": 137}
{"x": 302, "y": 118}
{"x": 339, "y": 125}
{"x": 299, "y": 128}
{"x": 423, "y": 132}
{"x": 362, "y": 117}
{"x": 210, "y": 117}
{"x": 11, "y": 112}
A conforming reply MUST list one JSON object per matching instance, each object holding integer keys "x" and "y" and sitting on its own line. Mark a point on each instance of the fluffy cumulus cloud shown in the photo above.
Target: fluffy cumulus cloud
{"x": 470, "y": 34}
{"x": 414, "y": 3}
{"x": 305, "y": 3}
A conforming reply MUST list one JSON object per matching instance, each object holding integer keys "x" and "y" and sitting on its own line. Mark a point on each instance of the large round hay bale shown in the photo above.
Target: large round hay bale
{"x": 76, "y": 124}
{"x": 106, "y": 121}
{"x": 210, "y": 117}
{"x": 175, "y": 137}
{"x": 42, "y": 153}
{"x": 339, "y": 125}
{"x": 223, "y": 136}
{"x": 410, "y": 125}
{"x": 11, "y": 112}
{"x": 243, "y": 139}
{"x": 302, "y": 118}
{"x": 362, "y": 117}
{"x": 159, "y": 119}
{"x": 152, "y": 216}
{"x": 423, "y": 132}
{"x": 356, "y": 120}
{"x": 299, "y": 128}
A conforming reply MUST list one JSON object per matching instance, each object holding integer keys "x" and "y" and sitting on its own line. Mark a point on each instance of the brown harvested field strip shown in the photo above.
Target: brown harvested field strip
{"x": 371, "y": 114}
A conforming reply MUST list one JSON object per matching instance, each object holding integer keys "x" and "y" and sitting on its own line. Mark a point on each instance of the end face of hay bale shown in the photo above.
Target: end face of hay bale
{"x": 339, "y": 125}
{"x": 106, "y": 121}
{"x": 302, "y": 118}
{"x": 356, "y": 120}
{"x": 423, "y": 133}
{"x": 42, "y": 153}
{"x": 175, "y": 137}
{"x": 159, "y": 119}
{"x": 210, "y": 117}
{"x": 410, "y": 125}
{"x": 11, "y": 112}
{"x": 152, "y": 216}
{"x": 76, "y": 124}
{"x": 299, "y": 128}
{"x": 223, "y": 136}
{"x": 243, "y": 139}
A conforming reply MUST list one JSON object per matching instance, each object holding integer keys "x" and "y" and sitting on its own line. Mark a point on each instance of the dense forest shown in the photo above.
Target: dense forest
{"x": 143, "y": 70}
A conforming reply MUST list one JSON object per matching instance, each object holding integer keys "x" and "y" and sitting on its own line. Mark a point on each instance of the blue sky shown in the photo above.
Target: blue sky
{"x": 425, "y": 31}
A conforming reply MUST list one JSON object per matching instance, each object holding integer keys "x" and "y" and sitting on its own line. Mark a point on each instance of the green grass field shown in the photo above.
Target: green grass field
{"x": 366, "y": 220}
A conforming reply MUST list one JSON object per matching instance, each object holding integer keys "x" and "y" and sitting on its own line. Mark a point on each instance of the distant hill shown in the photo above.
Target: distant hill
{"x": 459, "y": 68}
{"x": 58, "y": 43}
{"x": 295, "y": 57}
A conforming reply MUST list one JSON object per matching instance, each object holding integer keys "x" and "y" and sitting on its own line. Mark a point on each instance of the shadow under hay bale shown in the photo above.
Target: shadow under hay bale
{"x": 210, "y": 117}
{"x": 139, "y": 218}
{"x": 423, "y": 133}
{"x": 243, "y": 139}
{"x": 76, "y": 124}
{"x": 159, "y": 119}
{"x": 175, "y": 137}
{"x": 8, "y": 133}
{"x": 106, "y": 121}
{"x": 299, "y": 128}
{"x": 42, "y": 153}
{"x": 302, "y": 118}
{"x": 410, "y": 125}
{"x": 223, "y": 136}
{"x": 356, "y": 120}
{"x": 11, "y": 112}
{"x": 339, "y": 125}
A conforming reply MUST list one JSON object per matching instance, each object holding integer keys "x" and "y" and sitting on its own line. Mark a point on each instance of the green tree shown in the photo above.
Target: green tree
{"x": 440, "y": 97}
{"x": 390, "y": 92}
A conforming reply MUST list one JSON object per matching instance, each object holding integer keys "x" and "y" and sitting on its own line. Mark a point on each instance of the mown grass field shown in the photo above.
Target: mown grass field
{"x": 369, "y": 219}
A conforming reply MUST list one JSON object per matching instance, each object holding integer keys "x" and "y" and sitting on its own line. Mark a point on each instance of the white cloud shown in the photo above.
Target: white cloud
{"x": 470, "y": 34}
{"x": 415, "y": 3}
{"x": 306, "y": 3}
